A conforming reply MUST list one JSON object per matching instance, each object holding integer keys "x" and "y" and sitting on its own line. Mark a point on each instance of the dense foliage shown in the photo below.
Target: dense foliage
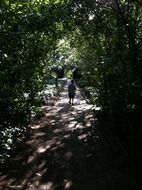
{"x": 29, "y": 31}
{"x": 102, "y": 38}
{"x": 109, "y": 48}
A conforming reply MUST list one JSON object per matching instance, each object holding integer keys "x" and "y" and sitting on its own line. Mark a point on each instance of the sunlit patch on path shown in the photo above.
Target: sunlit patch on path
{"x": 64, "y": 152}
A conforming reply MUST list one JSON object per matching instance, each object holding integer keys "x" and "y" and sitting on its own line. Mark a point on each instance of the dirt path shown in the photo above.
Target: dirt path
{"x": 66, "y": 152}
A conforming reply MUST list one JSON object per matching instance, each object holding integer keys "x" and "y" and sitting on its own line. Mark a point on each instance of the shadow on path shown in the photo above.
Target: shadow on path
{"x": 66, "y": 152}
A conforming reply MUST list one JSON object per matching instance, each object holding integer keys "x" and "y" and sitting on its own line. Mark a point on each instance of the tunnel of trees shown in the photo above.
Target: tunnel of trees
{"x": 40, "y": 39}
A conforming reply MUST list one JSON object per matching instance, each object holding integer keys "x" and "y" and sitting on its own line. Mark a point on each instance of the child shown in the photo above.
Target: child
{"x": 71, "y": 91}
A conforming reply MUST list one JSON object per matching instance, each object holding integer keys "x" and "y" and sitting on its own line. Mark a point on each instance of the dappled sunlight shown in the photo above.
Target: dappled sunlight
{"x": 52, "y": 121}
{"x": 67, "y": 184}
{"x": 78, "y": 126}
{"x": 35, "y": 127}
{"x": 67, "y": 136}
{"x": 58, "y": 137}
{"x": 72, "y": 124}
{"x": 31, "y": 158}
{"x": 48, "y": 186}
{"x": 39, "y": 134}
{"x": 83, "y": 136}
{"x": 43, "y": 149}
{"x": 35, "y": 186}
{"x": 58, "y": 130}
{"x": 97, "y": 45}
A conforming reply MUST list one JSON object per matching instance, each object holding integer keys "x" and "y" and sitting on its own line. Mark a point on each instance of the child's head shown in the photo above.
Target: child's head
{"x": 72, "y": 81}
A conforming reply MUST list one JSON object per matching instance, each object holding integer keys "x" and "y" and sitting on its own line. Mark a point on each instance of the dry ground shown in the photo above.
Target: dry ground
{"x": 67, "y": 151}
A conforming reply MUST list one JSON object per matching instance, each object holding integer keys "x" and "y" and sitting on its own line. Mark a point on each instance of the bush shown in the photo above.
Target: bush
{"x": 83, "y": 83}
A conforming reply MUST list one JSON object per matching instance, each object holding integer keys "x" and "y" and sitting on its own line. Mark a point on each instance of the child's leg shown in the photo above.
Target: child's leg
{"x": 69, "y": 100}
{"x": 72, "y": 100}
